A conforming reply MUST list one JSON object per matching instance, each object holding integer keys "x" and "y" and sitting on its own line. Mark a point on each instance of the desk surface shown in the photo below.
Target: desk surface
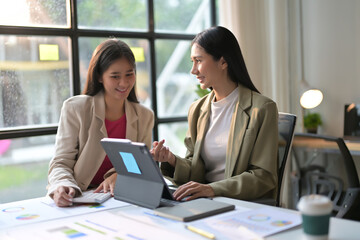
{"x": 353, "y": 147}
{"x": 339, "y": 228}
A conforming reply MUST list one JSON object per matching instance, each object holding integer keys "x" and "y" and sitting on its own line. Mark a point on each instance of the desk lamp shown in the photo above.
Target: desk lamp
{"x": 309, "y": 98}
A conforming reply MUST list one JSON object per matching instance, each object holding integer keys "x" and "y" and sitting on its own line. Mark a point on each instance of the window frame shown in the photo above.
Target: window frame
{"x": 74, "y": 33}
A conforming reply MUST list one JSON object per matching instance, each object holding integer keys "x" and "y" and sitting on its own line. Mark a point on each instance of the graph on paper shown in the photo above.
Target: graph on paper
{"x": 262, "y": 222}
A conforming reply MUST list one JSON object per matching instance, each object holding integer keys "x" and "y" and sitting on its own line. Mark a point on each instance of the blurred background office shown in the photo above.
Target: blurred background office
{"x": 45, "y": 48}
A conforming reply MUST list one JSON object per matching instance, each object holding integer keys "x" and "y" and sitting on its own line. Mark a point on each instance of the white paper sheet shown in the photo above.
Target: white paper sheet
{"x": 43, "y": 209}
{"x": 252, "y": 224}
{"x": 100, "y": 225}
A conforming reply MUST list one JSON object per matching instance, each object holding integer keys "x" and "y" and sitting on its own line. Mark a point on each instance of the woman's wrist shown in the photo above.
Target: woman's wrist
{"x": 172, "y": 161}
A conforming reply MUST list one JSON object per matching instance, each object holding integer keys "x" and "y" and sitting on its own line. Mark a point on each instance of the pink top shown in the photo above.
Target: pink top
{"x": 115, "y": 129}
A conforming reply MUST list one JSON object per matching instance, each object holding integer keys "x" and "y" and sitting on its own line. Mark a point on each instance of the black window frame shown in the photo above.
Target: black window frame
{"x": 74, "y": 33}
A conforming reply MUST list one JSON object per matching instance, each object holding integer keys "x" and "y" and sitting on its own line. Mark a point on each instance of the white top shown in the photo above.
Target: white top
{"x": 213, "y": 151}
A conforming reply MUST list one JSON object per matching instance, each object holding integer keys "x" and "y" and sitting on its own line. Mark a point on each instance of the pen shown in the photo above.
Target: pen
{"x": 200, "y": 231}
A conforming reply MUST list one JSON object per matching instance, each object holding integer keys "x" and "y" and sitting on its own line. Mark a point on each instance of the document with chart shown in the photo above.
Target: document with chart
{"x": 261, "y": 222}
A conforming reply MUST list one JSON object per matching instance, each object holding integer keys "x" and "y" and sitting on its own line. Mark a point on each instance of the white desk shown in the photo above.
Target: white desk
{"x": 339, "y": 228}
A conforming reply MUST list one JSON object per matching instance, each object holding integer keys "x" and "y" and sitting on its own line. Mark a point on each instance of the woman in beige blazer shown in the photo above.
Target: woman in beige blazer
{"x": 108, "y": 108}
{"x": 233, "y": 131}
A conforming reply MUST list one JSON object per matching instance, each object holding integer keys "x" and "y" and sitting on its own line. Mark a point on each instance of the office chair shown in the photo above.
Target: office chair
{"x": 326, "y": 168}
{"x": 286, "y": 127}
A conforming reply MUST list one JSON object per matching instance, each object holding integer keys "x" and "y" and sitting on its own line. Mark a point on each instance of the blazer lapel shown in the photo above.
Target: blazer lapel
{"x": 99, "y": 111}
{"x": 131, "y": 121}
{"x": 202, "y": 125}
{"x": 238, "y": 127}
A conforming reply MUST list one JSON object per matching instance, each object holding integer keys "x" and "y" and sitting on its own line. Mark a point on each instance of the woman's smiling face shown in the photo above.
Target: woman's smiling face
{"x": 119, "y": 79}
{"x": 207, "y": 70}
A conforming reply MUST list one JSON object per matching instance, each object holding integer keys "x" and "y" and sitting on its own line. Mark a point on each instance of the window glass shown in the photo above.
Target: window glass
{"x": 174, "y": 135}
{"x": 140, "y": 49}
{"x": 34, "y": 79}
{"x": 175, "y": 86}
{"x": 184, "y": 16}
{"x": 24, "y": 166}
{"x": 35, "y": 13}
{"x": 130, "y": 15}
{"x": 217, "y": 12}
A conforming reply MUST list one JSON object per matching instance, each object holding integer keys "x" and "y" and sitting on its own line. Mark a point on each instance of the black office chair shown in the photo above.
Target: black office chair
{"x": 324, "y": 165}
{"x": 286, "y": 127}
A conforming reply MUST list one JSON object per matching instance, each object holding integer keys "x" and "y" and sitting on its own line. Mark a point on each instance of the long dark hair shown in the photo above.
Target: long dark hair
{"x": 220, "y": 42}
{"x": 104, "y": 55}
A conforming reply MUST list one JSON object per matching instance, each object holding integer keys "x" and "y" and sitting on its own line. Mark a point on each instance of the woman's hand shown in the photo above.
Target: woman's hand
{"x": 162, "y": 153}
{"x": 192, "y": 190}
{"x": 63, "y": 196}
{"x": 108, "y": 184}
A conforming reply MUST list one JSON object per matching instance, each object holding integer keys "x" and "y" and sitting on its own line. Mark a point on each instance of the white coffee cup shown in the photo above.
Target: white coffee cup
{"x": 316, "y": 211}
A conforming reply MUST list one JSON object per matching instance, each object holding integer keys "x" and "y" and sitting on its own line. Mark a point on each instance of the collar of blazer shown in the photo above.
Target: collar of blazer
{"x": 237, "y": 128}
{"x": 131, "y": 121}
{"x": 131, "y": 116}
{"x": 245, "y": 99}
{"x": 99, "y": 110}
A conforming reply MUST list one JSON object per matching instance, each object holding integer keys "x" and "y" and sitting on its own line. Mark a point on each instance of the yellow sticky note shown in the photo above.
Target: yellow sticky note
{"x": 138, "y": 53}
{"x": 49, "y": 52}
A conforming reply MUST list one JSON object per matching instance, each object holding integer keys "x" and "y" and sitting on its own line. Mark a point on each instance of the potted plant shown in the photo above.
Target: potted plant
{"x": 201, "y": 92}
{"x": 312, "y": 121}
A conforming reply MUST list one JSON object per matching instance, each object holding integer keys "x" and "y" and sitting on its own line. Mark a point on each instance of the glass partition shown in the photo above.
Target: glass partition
{"x": 175, "y": 86}
{"x": 24, "y": 166}
{"x": 35, "y": 13}
{"x": 128, "y": 15}
{"x": 184, "y": 16}
{"x": 35, "y": 77}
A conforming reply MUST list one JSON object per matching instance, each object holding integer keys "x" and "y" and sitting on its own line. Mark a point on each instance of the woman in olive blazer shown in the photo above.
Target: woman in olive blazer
{"x": 250, "y": 169}
{"x": 250, "y": 123}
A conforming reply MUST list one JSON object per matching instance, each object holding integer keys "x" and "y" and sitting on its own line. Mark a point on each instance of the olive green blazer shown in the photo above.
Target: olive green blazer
{"x": 251, "y": 158}
{"x": 78, "y": 152}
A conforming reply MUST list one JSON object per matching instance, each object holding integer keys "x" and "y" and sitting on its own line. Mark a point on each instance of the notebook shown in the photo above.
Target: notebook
{"x": 193, "y": 210}
{"x": 140, "y": 182}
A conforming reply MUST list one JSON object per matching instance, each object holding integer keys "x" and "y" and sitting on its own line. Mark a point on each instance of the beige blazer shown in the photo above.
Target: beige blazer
{"x": 251, "y": 158}
{"x": 78, "y": 152}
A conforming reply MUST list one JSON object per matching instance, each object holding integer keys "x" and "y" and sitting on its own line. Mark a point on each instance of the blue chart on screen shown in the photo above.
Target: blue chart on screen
{"x": 130, "y": 162}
